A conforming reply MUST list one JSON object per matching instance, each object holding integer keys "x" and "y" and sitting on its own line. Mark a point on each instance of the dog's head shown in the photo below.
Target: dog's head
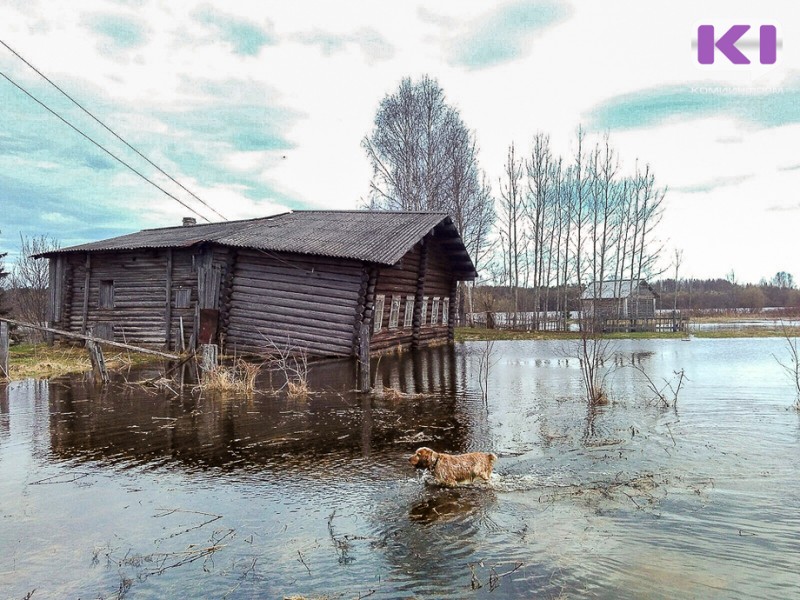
{"x": 422, "y": 458}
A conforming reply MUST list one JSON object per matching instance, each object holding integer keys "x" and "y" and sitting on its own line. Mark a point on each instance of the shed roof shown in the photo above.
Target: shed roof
{"x": 381, "y": 237}
{"x": 615, "y": 288}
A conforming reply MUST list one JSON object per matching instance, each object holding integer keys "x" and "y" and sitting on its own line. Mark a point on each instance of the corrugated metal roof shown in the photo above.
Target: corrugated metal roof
{"x": 381, "y": 237}
{"x": 614, "y": 289}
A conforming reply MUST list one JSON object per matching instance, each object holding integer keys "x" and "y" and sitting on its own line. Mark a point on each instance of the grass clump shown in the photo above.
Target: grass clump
{"x": 239, "y": 377}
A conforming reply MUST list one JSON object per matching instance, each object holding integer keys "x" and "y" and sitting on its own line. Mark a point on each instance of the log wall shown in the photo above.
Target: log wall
{"x": 312, "y": 301}
{"x": 424, "y": 273}
{"x": 141, "y": 297}
{"x": 142, "y": 280}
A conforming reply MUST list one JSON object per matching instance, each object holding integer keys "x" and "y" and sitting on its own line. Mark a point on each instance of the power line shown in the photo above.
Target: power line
{"x": 111, "y": 131}
{"x": 103, "y": 148}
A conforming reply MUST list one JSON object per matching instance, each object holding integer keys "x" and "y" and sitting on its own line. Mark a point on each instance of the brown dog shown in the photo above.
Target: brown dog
{"x": 452, "y": 469}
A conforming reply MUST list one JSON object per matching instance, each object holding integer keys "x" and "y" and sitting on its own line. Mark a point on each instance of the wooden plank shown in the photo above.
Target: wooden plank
{"x": 78, "y": 336}
{"x": 168, "y": 302}
{"x": 98, "y": 362}
{"x": 85, "y": 310}
{"x": 419, "y": 294}
{"x": 364, "y": 379}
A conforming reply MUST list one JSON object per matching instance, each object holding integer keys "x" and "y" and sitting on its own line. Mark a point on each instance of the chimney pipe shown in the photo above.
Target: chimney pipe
{"x": 189, "y": 221}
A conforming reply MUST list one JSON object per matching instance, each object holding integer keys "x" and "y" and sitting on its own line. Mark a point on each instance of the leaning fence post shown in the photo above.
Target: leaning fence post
{"x": 4, "y": 345}
{"x": 98, "y": 362}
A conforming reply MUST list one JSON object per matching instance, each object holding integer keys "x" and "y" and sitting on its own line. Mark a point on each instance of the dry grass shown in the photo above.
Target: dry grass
{"x": 41, "y": 361}
{"x": 297, "y": 389}
{"x": 239, "y": 377}
{"x": 391, "y": 393}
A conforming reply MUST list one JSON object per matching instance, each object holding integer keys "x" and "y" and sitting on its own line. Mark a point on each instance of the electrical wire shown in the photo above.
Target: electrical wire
{"x": 99, "y": 145}
{"x": 111, "y": 131}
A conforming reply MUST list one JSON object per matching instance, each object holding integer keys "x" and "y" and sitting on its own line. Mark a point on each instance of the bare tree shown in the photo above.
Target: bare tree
{"x": 792, "y": 367}
{"x": 512, "y": 232}
{"x": 30, "y": 279}
{"x": 423, "y": 157}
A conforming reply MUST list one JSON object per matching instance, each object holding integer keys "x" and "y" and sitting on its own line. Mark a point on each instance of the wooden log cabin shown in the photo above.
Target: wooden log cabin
{"x": 620, "y": 299}
{"x": 335, "y": 283}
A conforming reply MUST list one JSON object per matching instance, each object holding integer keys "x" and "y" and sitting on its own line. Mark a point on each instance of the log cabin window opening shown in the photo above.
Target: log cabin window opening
{"x": 183, "y": 298}
{"x": 380, "y": 299}
{"x": 423, "y": 311}
{"x": 435, "y": 310}
{"x": 106, "y": 299}
{"x": 394, "y": 313}
{"x": 445, "y": 310}
{"x": 408, "y": 319}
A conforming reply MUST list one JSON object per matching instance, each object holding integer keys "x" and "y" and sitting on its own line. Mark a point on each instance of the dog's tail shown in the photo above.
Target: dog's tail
{"x": 492, "y": 458}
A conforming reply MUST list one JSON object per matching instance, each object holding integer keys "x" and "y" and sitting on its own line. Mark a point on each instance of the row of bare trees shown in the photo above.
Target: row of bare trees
{"x": 567, "y": 222}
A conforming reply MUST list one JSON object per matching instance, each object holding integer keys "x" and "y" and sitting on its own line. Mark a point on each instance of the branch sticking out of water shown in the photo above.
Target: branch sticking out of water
{"x": 667, "y": 395}
{"x": 792, "y": 368}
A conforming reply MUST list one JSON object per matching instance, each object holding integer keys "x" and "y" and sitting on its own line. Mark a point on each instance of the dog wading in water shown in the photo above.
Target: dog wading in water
{"x": 452, "y": 469}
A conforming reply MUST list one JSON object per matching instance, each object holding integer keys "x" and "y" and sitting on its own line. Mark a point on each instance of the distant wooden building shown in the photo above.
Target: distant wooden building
{"x": 312, "y": 278}
{"x": 619, "y": 299}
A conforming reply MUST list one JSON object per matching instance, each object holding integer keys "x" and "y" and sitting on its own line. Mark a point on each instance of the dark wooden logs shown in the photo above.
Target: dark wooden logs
{"x": 419, "y": 295}
{"x": 168, "y": 303}
{"x": 85, "y": 311}
{"x": 299, "y": 301}
{"x": 452, "y": 311}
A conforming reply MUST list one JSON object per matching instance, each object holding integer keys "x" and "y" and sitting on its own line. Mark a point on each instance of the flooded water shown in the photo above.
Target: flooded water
{"x": 135, "y": 492}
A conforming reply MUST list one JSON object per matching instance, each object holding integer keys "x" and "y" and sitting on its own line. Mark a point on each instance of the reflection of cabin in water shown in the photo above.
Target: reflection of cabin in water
{"x": 317, "y": 279}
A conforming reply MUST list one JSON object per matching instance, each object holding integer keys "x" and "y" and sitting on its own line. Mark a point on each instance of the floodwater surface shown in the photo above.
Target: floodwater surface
{"x": 142, "y": 492}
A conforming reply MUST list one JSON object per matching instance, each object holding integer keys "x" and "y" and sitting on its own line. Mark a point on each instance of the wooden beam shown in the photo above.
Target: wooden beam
{"x": 89, "y": 338}
{"x": 168, "y": 303}
{"x": 419, "y": 294}
{"x": 364, "y": 377}
{"x": 98, "y": 362}
{"x": 85, "y": 311}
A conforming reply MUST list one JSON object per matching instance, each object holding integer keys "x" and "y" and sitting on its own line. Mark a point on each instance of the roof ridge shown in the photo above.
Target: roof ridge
{"x": 213, "y": 223}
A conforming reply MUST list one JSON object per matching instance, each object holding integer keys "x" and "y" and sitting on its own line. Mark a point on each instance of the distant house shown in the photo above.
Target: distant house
{"x": 316, "y": 279}
{"x": 619, "y": 299}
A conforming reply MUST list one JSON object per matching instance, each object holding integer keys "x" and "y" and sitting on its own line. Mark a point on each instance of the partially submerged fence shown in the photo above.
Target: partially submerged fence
{"x": 92, "y": 344}
{"x": 553, "y": 321}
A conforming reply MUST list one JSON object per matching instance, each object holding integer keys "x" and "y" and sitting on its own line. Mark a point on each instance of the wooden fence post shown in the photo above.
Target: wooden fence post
{"x": 5, "y": 342}
{"x": 98, "y": 362}
{"x": 209, "y": 357}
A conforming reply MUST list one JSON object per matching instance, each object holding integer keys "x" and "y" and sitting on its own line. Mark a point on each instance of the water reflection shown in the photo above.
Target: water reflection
{"x": 315, "y": 496}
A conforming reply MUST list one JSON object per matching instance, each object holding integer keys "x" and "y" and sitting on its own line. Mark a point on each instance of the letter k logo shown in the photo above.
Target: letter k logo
{"x": 726, "y": 44}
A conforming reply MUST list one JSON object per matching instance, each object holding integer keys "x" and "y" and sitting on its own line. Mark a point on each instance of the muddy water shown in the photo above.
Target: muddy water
{"x": 142, "y": 493}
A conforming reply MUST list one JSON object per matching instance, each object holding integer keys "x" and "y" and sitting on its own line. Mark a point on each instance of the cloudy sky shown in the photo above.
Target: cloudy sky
{"x": 257, "y": 107}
